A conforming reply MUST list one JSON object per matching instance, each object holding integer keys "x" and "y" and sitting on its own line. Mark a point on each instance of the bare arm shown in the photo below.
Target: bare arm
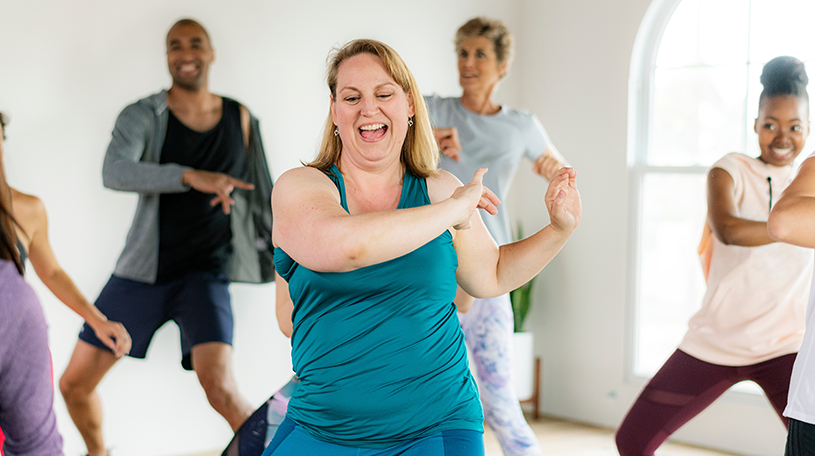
{"x": 112, "y": 334}
{"x": 722, "y": 215}
{"x": 283, "y": 305}
{"x": 485, "y": 270}
{"x": 549, "y": 163}
{"x": 793, "y": 218}
{"x": 463, "y": 301}
{"x": 314, "y": 229}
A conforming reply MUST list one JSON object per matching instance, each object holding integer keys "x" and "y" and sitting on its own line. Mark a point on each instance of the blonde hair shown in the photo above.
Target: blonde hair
{"x": 420, "y": 153}
{"x": 492, "y": 29}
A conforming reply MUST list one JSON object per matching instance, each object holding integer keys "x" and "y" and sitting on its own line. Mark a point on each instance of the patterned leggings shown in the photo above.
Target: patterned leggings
{"x": 488, "y": 328}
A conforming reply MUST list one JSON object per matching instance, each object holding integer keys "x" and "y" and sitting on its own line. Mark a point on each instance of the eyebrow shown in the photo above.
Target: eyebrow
{"x": 791, "y": 120}
{"x": 195, "y": 40}
{"x": 378, "y": 86}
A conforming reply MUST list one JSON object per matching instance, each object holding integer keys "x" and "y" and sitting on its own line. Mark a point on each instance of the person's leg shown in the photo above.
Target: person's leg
{"x": 488, "y": 328}
{"x": 773, "y": 376}
{"x": 291, "y": 440}
{"x": 683, "y": 387}
{"x": 212, "y": 362}
{"x": 138, "y": 307}
{"x": 87, "y": 367}
{"x": 203, "y": 312}
{"x": 800, "y": 439}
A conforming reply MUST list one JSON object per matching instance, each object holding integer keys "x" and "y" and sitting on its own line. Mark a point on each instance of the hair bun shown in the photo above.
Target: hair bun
{"x": 784, "y": 75}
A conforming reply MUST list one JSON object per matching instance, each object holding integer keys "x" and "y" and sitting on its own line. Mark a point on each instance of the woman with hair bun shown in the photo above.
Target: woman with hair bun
{"x": 751, "y": 323}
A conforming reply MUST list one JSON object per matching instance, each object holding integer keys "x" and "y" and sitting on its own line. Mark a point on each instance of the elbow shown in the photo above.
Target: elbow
{"x": 285, "y": 327}
{"x": 778, "y": 227}
{"x": 726, "y": 234}
{"x": 109, "y": 179}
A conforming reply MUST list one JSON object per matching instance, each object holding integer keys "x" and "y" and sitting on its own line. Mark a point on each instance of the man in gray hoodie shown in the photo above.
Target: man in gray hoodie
{"x": 203, "y": 220}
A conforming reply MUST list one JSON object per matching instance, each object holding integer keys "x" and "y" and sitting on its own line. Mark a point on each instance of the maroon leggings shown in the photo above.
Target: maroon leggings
{"x": 685, "y": 386}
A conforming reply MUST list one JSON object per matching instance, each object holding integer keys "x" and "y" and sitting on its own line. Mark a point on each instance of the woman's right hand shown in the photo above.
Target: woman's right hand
{"x": 474, "y": 196}
{"x": 563, "y": 201}
{"x": 449, "y": 145}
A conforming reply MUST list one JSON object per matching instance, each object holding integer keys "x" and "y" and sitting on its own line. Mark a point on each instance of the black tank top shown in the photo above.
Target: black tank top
{"x": 194, "y": 236}
{"x": 23, "y": 253}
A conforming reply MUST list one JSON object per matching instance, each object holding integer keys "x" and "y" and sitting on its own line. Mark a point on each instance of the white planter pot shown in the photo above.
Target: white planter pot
{"x": 523, "y": 363}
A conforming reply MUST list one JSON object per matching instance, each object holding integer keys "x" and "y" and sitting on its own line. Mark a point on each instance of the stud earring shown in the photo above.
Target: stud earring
{"x": 410, "y": 121}
{"x": 336, "y": 131}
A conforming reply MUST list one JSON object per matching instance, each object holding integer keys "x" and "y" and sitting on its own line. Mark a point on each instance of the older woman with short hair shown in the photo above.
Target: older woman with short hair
{"x": 372, "y": 239}
{"x": 475, "y": 132}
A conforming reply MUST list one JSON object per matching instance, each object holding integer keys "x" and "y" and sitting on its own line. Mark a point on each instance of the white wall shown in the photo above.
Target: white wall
{"x": 69, "y": 67}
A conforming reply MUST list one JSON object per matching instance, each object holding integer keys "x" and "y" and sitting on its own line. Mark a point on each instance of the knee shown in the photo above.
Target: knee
{"x": 73, "y": 387}
{"x": 216, "y": 387}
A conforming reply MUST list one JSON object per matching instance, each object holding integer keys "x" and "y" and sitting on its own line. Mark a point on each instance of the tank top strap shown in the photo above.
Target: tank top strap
{"x": 23, "y": 253}
{"x": 336, "y": 177}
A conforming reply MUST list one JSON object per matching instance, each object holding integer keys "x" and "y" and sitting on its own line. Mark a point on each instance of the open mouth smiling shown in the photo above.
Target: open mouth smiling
{"x": 373, "y": 132}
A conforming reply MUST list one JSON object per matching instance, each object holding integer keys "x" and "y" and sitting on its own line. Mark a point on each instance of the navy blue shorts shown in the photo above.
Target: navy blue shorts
{"x": 292, "y": 440}
{"x": 198, "y": 303}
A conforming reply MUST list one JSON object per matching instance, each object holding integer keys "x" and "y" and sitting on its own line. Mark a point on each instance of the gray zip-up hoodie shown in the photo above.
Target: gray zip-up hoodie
{"x": 132, "y": 164}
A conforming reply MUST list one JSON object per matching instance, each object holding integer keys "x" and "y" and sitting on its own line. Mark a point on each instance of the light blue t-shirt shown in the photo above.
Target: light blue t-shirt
{"x": 497, "y": 142}
{"x": 379, "y": 350}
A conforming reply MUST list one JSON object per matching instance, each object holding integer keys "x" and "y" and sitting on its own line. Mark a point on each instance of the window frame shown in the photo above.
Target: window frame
{"x": 641, "y": 85}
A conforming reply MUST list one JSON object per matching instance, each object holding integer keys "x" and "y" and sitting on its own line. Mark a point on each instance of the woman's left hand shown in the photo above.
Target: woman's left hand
{"x": 477, "y": 196}
{"x": 563, "y": 201}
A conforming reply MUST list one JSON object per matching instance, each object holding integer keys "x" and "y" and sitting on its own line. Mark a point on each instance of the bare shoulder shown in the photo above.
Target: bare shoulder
{"x": 441, "y": 186}
{"x": 25, "y": 206}
{"x": 29, "y": 211}
{"x": 299, "y": 183}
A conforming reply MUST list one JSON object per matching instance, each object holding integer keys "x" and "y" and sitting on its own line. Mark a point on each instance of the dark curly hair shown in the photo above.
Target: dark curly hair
{"x": 784, "y": 75}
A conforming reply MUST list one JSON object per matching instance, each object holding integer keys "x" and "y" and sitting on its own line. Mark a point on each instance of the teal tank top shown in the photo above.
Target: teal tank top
{"x": 379, "y": 350}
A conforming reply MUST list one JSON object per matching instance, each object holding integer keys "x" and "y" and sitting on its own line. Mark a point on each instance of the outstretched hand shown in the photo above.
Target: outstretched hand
{"x": 563, "y": 201}
{"x": 477, "y": 196}
{"x": 217, "y": 183}
{"x": 449, "y": 145}
{"x": 114, "y": 335}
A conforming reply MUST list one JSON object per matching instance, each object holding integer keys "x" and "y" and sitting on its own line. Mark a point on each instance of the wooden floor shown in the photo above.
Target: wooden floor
{"x": 564, "y": 438}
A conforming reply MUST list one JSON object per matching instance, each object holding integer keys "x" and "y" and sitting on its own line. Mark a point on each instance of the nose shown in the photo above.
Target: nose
{"x": 369, "y": 106}
{"x": 783, "y": 137}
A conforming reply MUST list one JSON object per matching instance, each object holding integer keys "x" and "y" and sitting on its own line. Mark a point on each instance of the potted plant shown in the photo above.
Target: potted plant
{"x": 522, "y": 356}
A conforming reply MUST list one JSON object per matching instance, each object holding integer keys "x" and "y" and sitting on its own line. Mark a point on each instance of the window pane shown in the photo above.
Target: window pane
{"x": 781, "y": 27}
{"x": 705, "y": 32}
{"x": 671, "y": 284}
{"x": 698, "y": 114}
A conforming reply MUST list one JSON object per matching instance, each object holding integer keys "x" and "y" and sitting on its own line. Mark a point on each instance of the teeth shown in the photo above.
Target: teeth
{"x": 372, "y": 127}
{"x": 783, "y": 152}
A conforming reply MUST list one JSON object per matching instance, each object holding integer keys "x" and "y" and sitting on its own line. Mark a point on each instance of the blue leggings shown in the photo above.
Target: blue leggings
{"x": 488, "y": 328}
{"x": 292, "y": 440}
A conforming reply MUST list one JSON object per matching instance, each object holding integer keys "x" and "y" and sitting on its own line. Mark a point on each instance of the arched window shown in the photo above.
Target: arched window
{"x": 694, "y": 90}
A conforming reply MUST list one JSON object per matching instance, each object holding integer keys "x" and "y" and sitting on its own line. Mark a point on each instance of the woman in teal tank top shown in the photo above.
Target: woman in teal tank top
{"x": 372, "y": 239}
